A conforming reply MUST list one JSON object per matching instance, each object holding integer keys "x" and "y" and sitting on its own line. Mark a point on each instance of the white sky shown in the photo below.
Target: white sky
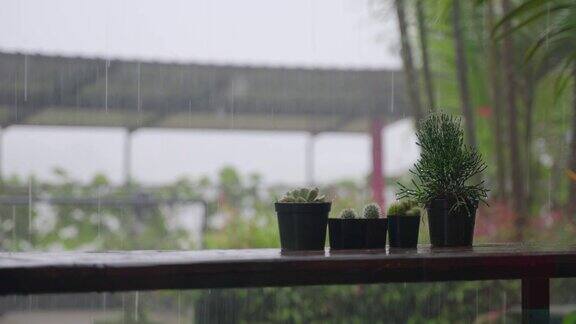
{"x": 272, "y": 32}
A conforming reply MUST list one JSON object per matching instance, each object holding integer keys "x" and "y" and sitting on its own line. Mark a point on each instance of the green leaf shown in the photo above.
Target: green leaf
{"x": 547, "y": 37}
{"x": 522, "y": 9}
{"x": 527, "y": 21}
{"x": 313, "y": 194}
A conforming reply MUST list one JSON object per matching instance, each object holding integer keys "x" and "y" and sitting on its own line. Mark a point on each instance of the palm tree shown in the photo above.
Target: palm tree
{"x": 406, "y": 49}
{"x": 495, "y": 81}
{"x": 462, "y": 73}
{"x": 513, "y": 142}
{"x": 556, "y": 46}
{"x": 571, "y": 206}
{"x": 423, "y": 36}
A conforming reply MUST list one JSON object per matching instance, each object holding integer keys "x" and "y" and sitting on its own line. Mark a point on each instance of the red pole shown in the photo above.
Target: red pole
{"x": 377, "y": 173}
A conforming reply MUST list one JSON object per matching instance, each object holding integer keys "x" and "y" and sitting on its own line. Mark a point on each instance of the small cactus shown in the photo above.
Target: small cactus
{"x": 371, "y": 211}
{"x": 303, "y": 195}
{"x": 402, "y": 208}
{"x": 348, "y": 213}
{"x": 395, "y": 208}
{"x": 413, "y": 212}
{"x": 408, "y": 204}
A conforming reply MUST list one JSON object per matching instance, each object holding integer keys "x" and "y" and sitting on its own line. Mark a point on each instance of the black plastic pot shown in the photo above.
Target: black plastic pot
{"x": 347, "y": 234}
{"x": 376, "y": 229}
{"x": 451, "y": 228}
{"x": 403, "y": 231}
{"x": 302, "y": 226}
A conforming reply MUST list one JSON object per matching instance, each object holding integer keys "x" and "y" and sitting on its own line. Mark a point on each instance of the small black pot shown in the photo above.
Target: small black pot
{"x": 302, "y": 225}
{"x": 346, "y": 234}
{"x": 451, "y": 228}
{"x": 403, "y": 231}
{"x": 376, "y": 229}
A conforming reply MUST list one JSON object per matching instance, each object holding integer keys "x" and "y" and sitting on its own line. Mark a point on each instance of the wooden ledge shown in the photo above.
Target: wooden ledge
{"x": 50, "y": 272}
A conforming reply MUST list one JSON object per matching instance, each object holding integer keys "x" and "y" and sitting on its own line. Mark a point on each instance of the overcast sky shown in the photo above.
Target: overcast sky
{"x": 341, "y": 33}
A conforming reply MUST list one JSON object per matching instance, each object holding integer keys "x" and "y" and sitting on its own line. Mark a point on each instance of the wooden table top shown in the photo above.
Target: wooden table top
{"x": 60, "y": 272}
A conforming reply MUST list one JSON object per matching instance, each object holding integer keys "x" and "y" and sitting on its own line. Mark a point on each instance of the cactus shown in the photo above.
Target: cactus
{"x": 348, "y": 213}
{"x": 303, "y": 195}
{"x": 414, "y": 211}
{"x": 395, "y": 208}
{"x": 404, "y": 208}
{"x": 371, "y": 211}
{"x": 408, "y": 204}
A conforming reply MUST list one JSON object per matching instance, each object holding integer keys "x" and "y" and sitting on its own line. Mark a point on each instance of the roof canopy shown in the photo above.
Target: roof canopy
{"x": 72, "y": 91}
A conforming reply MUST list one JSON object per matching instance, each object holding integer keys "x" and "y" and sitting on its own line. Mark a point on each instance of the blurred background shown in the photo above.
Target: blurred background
{"x": 175, "y": 125}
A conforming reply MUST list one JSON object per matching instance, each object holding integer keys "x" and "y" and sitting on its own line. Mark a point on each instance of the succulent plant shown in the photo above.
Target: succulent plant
{"x": 395, "y": 208}
{"x": 413, "y": 212}
{"x": 402, "y": 208}
{"x": 408, "y": 204}
{"x": 348, "y": 213}
{"x": 303, "y": 195}
{"x": 371, "y": 211}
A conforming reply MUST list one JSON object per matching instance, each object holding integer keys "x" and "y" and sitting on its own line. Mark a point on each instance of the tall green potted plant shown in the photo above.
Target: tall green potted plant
{"x": 446, "y": 180}
{"x": 302, "y": 218}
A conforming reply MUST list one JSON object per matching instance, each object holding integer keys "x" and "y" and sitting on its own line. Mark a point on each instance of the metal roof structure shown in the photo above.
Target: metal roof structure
{"x": 78, "y": 91}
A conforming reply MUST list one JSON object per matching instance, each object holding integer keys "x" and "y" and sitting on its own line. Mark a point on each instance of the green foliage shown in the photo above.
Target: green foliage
{"x": 250, "y": 223}
{"x": 401, "y": 208}
{"x": 348, "y": 213}
{"x": 371, "y": 211}
{"x": 446, "y": 165}
{"x": 413, "y": 212}
{"x": 92, "y": 227}
{"x": 303, "y": 195}
{"x": 408, "y": 204}
{"x": 395, "y": 208}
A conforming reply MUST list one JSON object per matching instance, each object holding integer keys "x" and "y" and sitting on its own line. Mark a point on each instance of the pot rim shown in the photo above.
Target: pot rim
{"x": 308, "y": 207}
{"x": 474, "y": 202}
{"x": 311, "y": 203}
{"x": 402, "y": 216}
{"x": 359, "y": 218}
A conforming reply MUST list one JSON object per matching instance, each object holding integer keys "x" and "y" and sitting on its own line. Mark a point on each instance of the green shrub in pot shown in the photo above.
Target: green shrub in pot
{"x": 445, "y": 180}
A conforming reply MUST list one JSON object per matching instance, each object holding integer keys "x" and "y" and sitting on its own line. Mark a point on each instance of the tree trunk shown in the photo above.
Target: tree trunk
{"x": 462, "y": 73}
{"x": 494, "y": 68}
{"x": 423, "y": 35}
{"x": 571, "y": 206}
{"x": 514, "y": 147}
{"x": 528, "y": 95}
{"x": 411, "y": 78}
{"x": 556, "y": 174}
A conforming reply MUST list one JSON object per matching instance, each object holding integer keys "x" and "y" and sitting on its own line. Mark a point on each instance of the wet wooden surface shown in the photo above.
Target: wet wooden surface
{"x": 48, "y": 272}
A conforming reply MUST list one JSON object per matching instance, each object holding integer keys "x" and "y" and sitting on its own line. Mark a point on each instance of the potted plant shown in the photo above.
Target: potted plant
{"x": 446, "y": 180}
{"x": 376, "y": 227}
{"x": 403, "y": 224}
{"x": 302, "y": 217}
{"x": 347, "y": 231}
{"x": 352, "y": 232}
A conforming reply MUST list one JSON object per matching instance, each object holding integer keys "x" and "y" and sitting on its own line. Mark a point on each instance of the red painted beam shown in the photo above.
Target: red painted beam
{"x": 378, "y": 184}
